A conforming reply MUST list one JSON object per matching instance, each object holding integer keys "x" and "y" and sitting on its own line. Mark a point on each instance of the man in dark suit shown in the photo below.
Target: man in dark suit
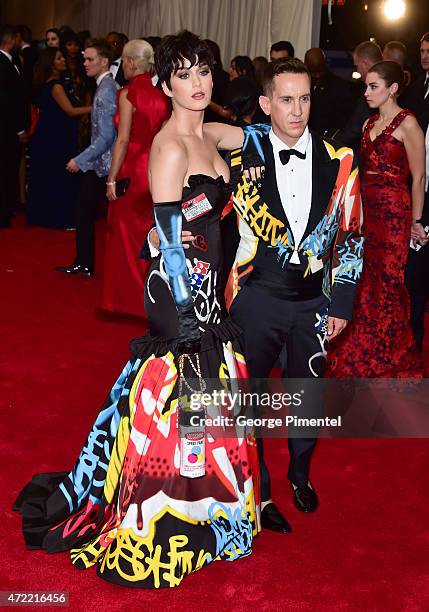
{"x": 332, "y": 98}
{"x": 417, "y": 94}
{"x": 416, "y": 98}
{"x": 416, "y": 270}
{"x": 13, "y": 124}
{"x": 365, "y": 55}
{"x": 117, "y": 42}
{"x": 28, "y": 54}
{"x": 300, "y": 255}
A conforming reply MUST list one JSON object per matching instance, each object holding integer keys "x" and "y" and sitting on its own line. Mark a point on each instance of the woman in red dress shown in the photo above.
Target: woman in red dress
{"x": 379, "y": 341}
{"x": 142, "y": 109}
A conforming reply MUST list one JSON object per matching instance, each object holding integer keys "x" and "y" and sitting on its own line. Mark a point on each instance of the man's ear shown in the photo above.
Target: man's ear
{"x": 265, "y": 104}
{"x": 165, "y": 89}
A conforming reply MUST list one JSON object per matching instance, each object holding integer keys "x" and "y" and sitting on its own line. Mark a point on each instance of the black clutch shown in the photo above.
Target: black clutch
{"x": 122, "y": 186}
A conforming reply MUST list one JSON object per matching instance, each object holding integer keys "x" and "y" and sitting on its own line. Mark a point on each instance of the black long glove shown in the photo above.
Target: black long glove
{"x": 168, "y": 219}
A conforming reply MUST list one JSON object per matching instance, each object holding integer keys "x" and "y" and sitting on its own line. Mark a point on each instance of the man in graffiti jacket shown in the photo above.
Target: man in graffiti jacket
{"x": 292, "y": 284}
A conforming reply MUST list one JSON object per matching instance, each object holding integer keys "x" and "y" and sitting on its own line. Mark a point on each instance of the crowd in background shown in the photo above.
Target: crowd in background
{"x": 338, "y": 105}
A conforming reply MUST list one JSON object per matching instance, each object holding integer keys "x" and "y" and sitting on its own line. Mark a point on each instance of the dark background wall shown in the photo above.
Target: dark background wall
{"x": 352, "y": 24}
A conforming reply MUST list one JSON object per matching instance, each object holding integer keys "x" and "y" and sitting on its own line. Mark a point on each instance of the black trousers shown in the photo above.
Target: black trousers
{"x": 92, "y": 192}
{"x": 275, "y": 328}
{"x": 417, "y": 282}
{"x": 10, "y": 151}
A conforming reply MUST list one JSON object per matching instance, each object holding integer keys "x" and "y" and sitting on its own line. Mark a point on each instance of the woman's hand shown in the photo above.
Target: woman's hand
{"x": 254, "y": 173}
{"x": 111, "y": 191}
{"x": 418, "y": 234}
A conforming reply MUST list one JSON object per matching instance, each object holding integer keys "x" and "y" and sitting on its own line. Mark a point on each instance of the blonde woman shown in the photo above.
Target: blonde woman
{"x": 142, "y": 109}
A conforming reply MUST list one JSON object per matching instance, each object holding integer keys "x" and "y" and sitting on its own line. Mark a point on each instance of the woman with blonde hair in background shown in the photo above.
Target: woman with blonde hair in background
{"x": 142, "y": 109}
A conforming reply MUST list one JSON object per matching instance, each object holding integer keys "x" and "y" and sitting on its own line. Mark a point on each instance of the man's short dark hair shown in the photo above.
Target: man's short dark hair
{"x": 102, "y": 47}
{"x": 283, "y": 45}
{"x": 6, "y": 31}
{"x": 25, "y": 32}
{"x": 175, "y": 49}
{"x": 425, "y": 38}
{"x": 370, "y": 51}
{"x": 282, "y": 66}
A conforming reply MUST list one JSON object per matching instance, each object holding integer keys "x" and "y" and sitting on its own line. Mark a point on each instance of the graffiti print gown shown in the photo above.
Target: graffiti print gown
{"x": 124, "y": 507}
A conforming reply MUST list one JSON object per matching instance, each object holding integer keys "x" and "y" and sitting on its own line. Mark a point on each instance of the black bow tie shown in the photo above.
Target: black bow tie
{"x": 285, "y": 154}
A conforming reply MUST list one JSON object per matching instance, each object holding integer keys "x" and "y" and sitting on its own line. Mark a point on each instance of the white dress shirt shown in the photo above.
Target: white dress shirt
{"x": 114, "y": 67}
{"x": 427, "y": 85}
{"x": 427, "y": 158}
{"x": 101, "y": 77}
{"x": 294, "y": 182}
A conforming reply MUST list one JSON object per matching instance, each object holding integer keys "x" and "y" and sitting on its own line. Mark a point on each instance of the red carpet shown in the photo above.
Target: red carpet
{"x": 366, "y": 548}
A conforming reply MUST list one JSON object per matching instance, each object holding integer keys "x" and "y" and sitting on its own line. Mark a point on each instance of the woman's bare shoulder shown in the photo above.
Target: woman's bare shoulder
{"x": 168, "y": 149}
{"x": 409, "y": 123}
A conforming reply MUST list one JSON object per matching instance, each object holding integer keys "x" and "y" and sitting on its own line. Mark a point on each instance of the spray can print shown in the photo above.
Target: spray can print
{"x": 192, "y": 441}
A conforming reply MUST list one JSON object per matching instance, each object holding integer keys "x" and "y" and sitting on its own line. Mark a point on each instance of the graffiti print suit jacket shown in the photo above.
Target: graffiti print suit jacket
{"x": 332, "y": 241}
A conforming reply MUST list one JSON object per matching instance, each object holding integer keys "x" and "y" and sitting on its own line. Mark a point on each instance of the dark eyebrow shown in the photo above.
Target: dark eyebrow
{"x": 373, "y": 83}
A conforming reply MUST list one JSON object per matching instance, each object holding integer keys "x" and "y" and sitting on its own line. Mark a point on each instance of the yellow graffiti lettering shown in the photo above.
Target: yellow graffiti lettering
{"x": 248, "y": 204}
{"x": 136, "y": 560}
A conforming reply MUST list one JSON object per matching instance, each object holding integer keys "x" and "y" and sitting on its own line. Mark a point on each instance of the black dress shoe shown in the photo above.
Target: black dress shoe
{"x": 272, "y": 519}
{"x": 305, "y": 498}
{"x": 75, "y": 269}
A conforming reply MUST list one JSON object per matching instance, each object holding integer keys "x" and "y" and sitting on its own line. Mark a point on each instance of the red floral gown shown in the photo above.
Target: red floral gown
{"x": 379, "y": 342}
{"x": 130, "y": 216}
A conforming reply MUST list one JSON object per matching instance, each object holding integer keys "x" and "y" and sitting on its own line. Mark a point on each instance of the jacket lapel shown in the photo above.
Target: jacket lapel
{"x": 324, "y": 174}
{"x": 269, "y": 188}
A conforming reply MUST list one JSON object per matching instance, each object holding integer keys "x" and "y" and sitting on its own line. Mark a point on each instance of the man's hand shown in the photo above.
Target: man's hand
{"x": 72, "y": 166}
{"x": 335, "y": 327}
{"x": 187, "y": 237}
{"x": 418, "y": 234}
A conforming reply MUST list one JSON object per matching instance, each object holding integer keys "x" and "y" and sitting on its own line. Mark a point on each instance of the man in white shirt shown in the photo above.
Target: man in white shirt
{"x": 13, "y": 123}
{"x": 299, "y": 258}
